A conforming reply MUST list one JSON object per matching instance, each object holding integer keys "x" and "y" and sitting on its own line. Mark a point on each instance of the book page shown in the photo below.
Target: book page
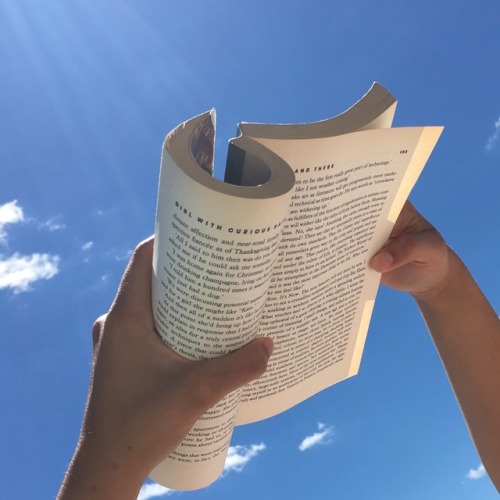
{"x": 349, "y": 190}
{"x": 213, "y": 256}
{"x": 374, "y": 110}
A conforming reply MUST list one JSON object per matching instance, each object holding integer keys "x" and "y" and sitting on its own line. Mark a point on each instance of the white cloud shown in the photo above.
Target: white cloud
{"x": 494, "y": 137}
{"x": 10, "y": 213}
{"x": 476, "y": 473}
{"x": 87, "y": 246}
{"x": 323, "y": 436}
{"x": 153, "y": 490}
{"x": 20, "y": 271}
{"x": 238, "y": 456}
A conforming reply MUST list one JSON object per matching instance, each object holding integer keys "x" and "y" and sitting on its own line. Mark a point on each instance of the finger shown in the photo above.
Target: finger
{"x": 418, "y": 248}
{"x": 409, "y": 221}
{"x": 218, "y": 377}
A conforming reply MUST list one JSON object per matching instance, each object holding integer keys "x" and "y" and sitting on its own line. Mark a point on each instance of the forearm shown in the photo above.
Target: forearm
{"x": 466, "y": 332}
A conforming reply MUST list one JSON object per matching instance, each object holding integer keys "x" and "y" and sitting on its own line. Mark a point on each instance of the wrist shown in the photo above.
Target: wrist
{"x": 102, "y": 470}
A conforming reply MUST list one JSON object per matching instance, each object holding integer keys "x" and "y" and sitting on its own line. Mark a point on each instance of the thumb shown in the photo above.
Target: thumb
{"x": 418, "y": 248}
{"x": 413, "y": 262}
{"x": 227, "y": 373}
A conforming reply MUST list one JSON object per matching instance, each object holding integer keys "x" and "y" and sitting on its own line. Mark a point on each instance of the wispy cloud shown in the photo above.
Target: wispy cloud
{"x": 51, "y": 224}
{"x": 10, "y": 213}
{"x": 478, "y": 473}
{"x": 87, "y": 246}
{"x": 153, "y": 490}
{"x": 323, "y": 436}
{"x": 19, "y": 272}
{"x": 120, "y": 255}
{"x": 494, "y": 138}
{"x": 238, "y": 456}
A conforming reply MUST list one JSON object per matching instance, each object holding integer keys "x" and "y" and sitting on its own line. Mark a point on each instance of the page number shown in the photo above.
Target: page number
{"x": 403, "y": 152}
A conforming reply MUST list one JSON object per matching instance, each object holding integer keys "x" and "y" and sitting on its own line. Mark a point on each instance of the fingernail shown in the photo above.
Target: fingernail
{"x": 382, "y": 261}
{"x": 268, "y": 345}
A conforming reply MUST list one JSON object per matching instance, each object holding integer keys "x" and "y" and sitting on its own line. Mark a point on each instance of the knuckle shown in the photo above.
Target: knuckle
{"x": 97, "y": 328}
{"x": 143, "y": 248}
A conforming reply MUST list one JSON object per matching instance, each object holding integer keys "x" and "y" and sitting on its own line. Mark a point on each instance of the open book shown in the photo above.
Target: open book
{"x": 280, "y": 249}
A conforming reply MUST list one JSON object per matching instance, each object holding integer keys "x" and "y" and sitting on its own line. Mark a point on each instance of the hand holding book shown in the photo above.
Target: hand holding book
{"x": 144, "y": 397}
{"x": 415, "y": 259}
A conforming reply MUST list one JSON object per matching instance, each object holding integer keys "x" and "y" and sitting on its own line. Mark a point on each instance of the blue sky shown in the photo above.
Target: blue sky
{"x": 88, "y": 91}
